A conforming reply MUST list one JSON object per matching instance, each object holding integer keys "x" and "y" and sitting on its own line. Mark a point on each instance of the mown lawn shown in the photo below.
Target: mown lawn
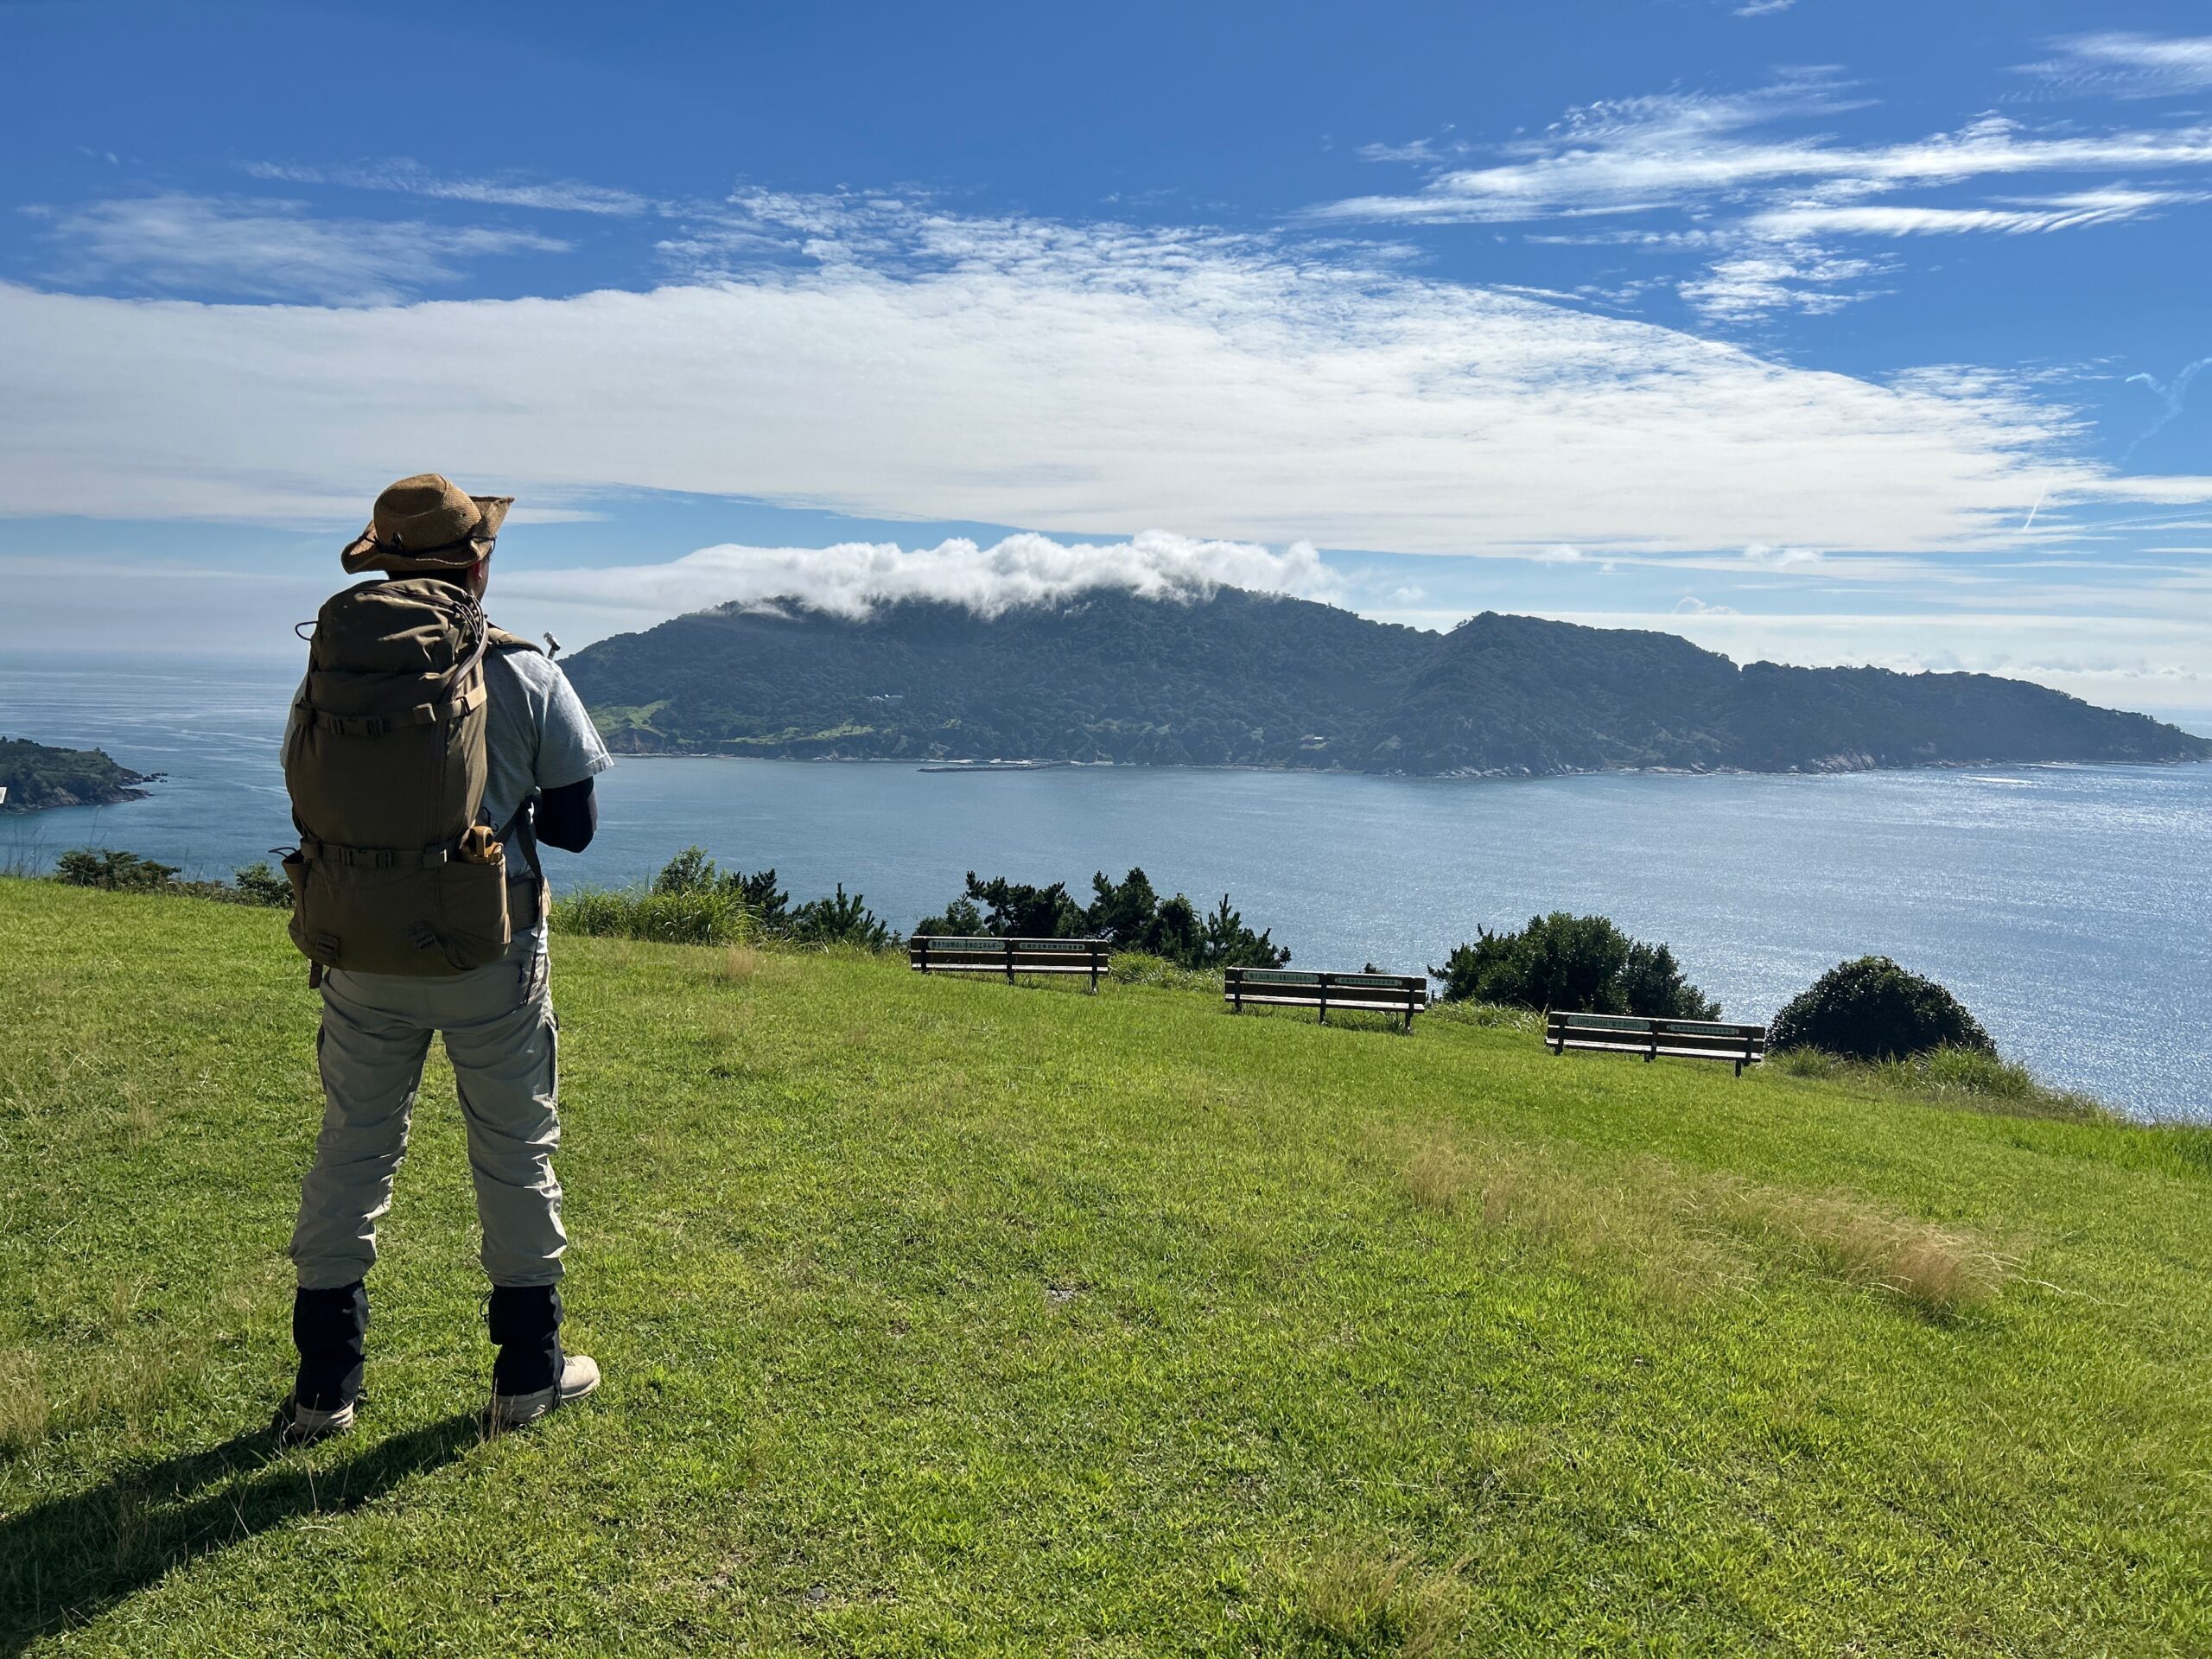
{"x": 952, "y": 1318}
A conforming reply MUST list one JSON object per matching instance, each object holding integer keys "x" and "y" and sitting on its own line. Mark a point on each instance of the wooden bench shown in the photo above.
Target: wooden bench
{"x": 1402, "y": 995}
{"x": 945, "y": 953}
{"x": 1632, "y": 1034}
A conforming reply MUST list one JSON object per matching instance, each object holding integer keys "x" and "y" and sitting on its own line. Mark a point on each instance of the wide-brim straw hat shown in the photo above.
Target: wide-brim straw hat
{"x": 427, "y": 523}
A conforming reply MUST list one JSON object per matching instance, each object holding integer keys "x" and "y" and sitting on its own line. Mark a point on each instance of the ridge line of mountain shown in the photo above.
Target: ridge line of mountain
{"x": 1245, "y": 679}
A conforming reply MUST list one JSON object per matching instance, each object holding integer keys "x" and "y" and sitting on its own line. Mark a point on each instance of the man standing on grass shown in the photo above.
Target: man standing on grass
{"x": 428, "y": 755}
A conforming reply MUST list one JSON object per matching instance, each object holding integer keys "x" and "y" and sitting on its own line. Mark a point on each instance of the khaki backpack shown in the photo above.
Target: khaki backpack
{"x": 396, "y": 871}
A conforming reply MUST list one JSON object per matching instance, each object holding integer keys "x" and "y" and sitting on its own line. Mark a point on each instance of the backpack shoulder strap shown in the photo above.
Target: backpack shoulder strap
{"x": 522, "y": 826}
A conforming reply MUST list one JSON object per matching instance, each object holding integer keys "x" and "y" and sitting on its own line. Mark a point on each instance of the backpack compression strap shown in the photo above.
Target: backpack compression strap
{"x": 422, "y": 714}
{"x": 375, "y": 858}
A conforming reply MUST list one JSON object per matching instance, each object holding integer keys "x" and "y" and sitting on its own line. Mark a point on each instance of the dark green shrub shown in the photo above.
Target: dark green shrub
{"x": 768, "y": 902}
{"x": 1010, "y": 910}
{"x": 1872, "y": 1009}
{"x": 257, "y": 884}
{"x": 840, "y": 920}
{"x": 1225, "y": 942}
{"x": 694, "y": 900}
{"x": 689, "y": 871}
{"x": 1582, "y": 964}
{"x": 1135, "y": 918}
{"x": 119, "y": 872}
{"x": 1129, "y": 912}
{"x": 962, "y": 918}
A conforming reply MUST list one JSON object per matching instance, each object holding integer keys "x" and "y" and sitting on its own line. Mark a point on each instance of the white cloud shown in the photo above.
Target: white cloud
{"x": 2170, "y": 487}
{"x": 2171, "y": 394}
{"x": 1763, "y": 8}
{"x": 2126, "y": 65}
{"x": 1781, "y": 558}
{"x": 1677, "y": 149}
{"x": 1801, "y": 278}
{"x": 264, "y": 248}
{"x": 2062, "y": 213}
{"x": 850, "y": 578}
{"x": 1082, "y": 380}
{"x": 1421, "y": 149}
{"x": 1762, "y": 199}
{"x": 412, "y": 178}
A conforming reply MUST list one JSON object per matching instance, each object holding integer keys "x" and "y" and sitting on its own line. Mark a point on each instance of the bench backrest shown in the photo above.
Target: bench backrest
{"x": 988, "y": 951}
{"x": 1299, "y": 988}
{"x": 1632, "y": 1034}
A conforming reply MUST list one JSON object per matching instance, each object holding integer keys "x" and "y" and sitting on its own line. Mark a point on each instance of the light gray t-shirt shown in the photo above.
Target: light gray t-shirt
{"x": 537, "y": 734}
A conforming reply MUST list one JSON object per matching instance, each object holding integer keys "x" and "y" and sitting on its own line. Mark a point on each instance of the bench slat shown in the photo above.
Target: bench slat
{"x": 1639, "y": 1044}
{"x": 1393, "y": 1004}
{"x": 950, "y": 953}
{"x": 1622, "y": 1022}
{"x": 1022, "y": 965}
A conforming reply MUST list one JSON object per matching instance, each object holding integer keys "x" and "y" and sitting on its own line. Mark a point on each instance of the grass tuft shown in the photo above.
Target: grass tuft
{"x": 698, "y": 916}
{"x": 1437, "y": 1175}
{"x": 1934, "y": 1269}
{"x": 1137, "y": 968}
{"x": 1951, "y": 1076}
{"x": 1634, "y": 1220}
{"x": 1486, "y": 1016}
{"x": 25, "y": 1411}
{"x": 1656, "y": 1222}
{"x": 1365, "y": 1600}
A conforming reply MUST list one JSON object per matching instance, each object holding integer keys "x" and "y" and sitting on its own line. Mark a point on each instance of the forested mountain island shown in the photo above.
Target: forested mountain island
{"x": 1253, "y": 679}
{"x": 37, "y": 776}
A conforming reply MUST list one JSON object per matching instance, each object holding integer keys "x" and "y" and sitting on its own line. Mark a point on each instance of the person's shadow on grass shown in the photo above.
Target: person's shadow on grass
{"x": 69, "y": 1559}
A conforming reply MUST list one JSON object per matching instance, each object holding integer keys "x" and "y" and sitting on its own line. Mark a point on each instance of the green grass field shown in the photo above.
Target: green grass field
{"x": 952, "y": 1318}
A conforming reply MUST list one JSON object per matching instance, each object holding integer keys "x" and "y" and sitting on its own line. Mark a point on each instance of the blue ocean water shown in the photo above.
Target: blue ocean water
{"x": 2067, "y": 905}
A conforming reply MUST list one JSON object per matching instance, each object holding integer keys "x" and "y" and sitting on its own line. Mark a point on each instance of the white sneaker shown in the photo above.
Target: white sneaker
{"x": 299, "y": 1425}
{"x": 578, "y": 1376}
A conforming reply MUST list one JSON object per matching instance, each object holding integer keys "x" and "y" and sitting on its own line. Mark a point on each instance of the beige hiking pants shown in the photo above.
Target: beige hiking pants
{"x": 498, "y": 1024}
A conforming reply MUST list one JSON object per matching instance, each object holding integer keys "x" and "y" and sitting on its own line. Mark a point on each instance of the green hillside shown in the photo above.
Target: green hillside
{"x": 35, "y": 776}
{"x": 952, "y": 1318}
{"x": 1254, "y": 679}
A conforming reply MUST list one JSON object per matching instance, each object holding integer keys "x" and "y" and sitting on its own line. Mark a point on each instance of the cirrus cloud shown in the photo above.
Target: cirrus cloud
{"x": 259, "y": 248}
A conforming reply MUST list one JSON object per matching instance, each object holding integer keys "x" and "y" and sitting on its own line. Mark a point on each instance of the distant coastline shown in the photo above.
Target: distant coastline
{"x": 38, "y": 777}
{"x": 1470, "y": 775}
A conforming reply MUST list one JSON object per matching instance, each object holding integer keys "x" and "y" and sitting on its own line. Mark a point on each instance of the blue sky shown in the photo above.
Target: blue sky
{"x": 1813, "y": 330}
